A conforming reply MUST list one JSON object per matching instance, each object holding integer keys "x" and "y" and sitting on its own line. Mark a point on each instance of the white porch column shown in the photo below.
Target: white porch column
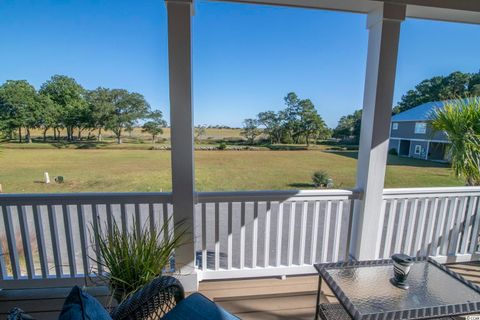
{"x": 384, "y": 31}
{"x": 181, "y": 120}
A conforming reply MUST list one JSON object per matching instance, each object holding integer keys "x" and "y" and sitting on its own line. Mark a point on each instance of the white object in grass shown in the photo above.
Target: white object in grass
{"x": 47, "y": 177}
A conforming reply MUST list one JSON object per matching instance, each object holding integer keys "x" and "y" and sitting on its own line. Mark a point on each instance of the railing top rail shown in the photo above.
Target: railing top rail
{"x": 84, "y": 198}
{"x": 430, "y": 192}
{"x": 276, "y": 195}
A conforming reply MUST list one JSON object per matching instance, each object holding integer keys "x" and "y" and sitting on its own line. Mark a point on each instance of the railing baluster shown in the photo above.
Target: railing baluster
{"x": 255, "y": 234}
{"x": 110, "y": 218}
{"x": 303, "y": 232}
{"x": 27, "y": 247}
{"x": 313, "y": 246}
{"x": 474, "y": 236}
{"x": 230, "y": 236}
{"x": 338, "y": 229}
{"x": 432, "y": 215}
{"x": 11, "y": 243}
{"x": 266, "y": 247}
{"x": 449, "y": 226}
{"x": 123, "y": 217}
{"x": 217, "y": 236}
{"x": 381, "y": 221}
{"x": 204, "y": 236}
{"x": 439, "y": 232}
{"x": 138, "y": 218}
{"x": 166, "y": 222}
{"x": 68, "y": 235}
{"x": 390, "y": 223}
{"x": 459, "y": 216}
{"x": 151, "y": 217}
{"x": 96, "y": 230}
{"x": 52, "y": 221}
{"x": 351, "y": 211}
{"x": 411, "y": 226}
{"x": 467, "y": 228}
{"x": 242, "y": 235}
{"x": 291, "y": 230}
{"x": 83, "y": 239}
{"x": 278, "y": 252}
{"x": 326, "y": 231}
{"x": 401, "y": 225}
{"x": 42, "y": 254}
{"x": 421, "y": 226}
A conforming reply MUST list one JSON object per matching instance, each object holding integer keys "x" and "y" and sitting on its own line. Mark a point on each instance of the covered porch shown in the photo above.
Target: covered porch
{"x": 244, "y": 242}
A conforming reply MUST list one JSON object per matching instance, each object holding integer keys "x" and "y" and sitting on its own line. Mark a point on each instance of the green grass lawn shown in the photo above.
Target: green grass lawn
{"x": 21, "y": 170}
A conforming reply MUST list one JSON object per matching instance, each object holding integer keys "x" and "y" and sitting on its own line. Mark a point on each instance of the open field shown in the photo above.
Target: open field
{"x": 103, "y": 170}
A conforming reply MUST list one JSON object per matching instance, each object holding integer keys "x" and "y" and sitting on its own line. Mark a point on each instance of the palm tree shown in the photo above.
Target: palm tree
{"x": 460, "y": 120}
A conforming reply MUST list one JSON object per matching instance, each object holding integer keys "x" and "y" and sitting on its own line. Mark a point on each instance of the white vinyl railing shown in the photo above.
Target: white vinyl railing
{"x": 271, "y": 232}
{"x": 50, "y": 236}
{"x": 46, "y": 239}
{"x": 439, "y": 222}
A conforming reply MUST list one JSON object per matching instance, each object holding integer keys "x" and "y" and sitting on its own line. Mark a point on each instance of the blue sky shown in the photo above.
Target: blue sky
{"x": 246, "y": 58}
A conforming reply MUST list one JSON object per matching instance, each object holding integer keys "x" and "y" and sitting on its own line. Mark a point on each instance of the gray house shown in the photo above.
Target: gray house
{"x": 412, "y": 136}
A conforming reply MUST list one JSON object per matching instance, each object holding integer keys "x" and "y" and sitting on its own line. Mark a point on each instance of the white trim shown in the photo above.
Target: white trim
{"x": 417, "y": 150}
{"x": 257, "y": 272}
{"x": 415, "y": 139}
{"x": 420, "y": 127}
{"x": 428, "y": 149}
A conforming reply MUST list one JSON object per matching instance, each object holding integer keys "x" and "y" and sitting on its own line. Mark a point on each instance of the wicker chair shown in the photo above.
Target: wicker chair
{"x": 151, "y": 302}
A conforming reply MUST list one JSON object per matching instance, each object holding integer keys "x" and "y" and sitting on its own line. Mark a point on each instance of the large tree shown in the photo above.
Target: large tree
{"x": 127, "y": 109}
{"x": 155, "y": 124}
{"x": 250, "y": 130}
{"x": 69, "y": 96}
{"x": 101, "y": 106}
{"x": 19, "y": 107}
{"x": 311, "y": 123}
{"x": 273, "y": 123}
{"x": 439, "y": 88}
{"x": 348, "y": 127}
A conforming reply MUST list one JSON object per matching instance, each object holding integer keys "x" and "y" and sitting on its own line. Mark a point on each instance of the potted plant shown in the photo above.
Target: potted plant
{"x": 132, "y": 259}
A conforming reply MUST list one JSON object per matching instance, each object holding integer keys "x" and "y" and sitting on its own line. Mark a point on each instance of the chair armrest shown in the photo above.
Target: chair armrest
{"x": 152, "y": 301}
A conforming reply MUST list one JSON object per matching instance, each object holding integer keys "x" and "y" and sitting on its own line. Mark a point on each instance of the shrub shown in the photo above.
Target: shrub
{"x": 393, "y": 152}
{"x": 320, "y": 178}
{"x": 132, "y": 258}
{"x": 222, "y": 146}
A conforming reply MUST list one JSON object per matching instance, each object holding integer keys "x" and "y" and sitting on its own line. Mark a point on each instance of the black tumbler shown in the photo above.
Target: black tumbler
{"x": 401, "y": 267}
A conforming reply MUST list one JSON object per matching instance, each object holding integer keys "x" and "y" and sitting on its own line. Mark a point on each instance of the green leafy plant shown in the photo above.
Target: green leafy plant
{"x": 393, "y": 152}
{"x": 133, "y": 258}
{"x": 222, "y": 146}
{"x": 460, "y": 120}
{"x": 320, "y": 178}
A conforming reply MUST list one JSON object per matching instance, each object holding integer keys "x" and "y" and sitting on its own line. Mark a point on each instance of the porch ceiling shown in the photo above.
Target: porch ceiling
{"x": 466, "y": 11}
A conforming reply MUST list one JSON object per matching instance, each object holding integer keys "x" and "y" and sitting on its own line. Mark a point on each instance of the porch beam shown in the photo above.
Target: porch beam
{"x": 179, "y": 14}
{"x": 384, "y": 34}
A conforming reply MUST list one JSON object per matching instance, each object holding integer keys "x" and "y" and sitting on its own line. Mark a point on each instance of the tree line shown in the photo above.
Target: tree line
{"x": 298, "y": 122}
{"x": 438, "y": 88}
{"x": 62, "y": 103}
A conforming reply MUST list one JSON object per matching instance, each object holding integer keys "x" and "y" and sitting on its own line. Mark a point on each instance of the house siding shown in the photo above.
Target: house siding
{"x": 406, "y": 131}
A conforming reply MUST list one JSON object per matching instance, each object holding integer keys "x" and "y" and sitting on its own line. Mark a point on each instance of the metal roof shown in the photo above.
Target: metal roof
{"x": 422, "y": 112}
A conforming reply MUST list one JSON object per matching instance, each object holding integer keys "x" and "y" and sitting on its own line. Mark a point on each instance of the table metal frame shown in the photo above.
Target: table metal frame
{"x": 418, "y": 313}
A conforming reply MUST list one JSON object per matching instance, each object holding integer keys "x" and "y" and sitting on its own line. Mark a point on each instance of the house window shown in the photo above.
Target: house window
{"x": 395, "y": 126}
{"x": 418, "y": 149}
{"x": 420, "y": 127}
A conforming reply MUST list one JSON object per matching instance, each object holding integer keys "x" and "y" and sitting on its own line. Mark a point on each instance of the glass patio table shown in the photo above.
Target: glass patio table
{"x": 364, "y": 291}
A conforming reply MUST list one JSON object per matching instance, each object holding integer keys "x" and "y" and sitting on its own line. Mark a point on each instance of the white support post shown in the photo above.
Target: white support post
{"x": 384, "y": 32}
{"x": 181, "y": 118}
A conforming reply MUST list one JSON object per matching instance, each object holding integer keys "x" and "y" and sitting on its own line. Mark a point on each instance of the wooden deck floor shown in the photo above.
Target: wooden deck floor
{"x": 250, "y": 299}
